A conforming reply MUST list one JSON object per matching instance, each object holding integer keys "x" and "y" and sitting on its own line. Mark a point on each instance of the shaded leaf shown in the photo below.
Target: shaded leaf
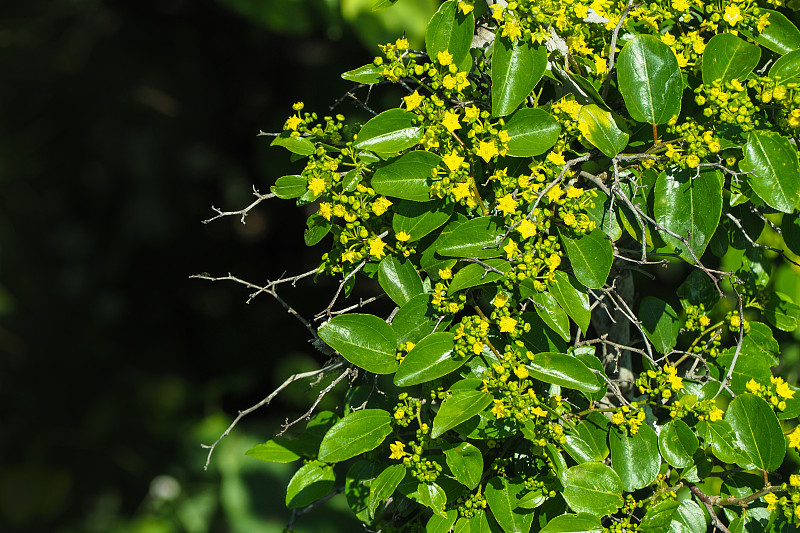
{"x": 599, "y": 128}
{"x": 660, "y": 322}
{"x": 415, "y": 320}
{"x": 564, "y": 370}
{"x": 672, "y": 516}
{"x": 677, "y": 443}
{"x": 313, "y": 481}
{"x": 458, "y": 408}
{"x": 297, "y": 145}
{"x": 501, "y": 493}
{"x": 727, "y": 57}
{"x": 433, "y": 497}
{"x": 775, "y": 176}
{"x": 786, "y": 68}
{"x": 474, "y": 274}
{"x": 635, "y": 457}
{"x": 574, "y": 523}
{"x": 758, "y": 431}
{"x": 384, "y": 485}
{"x": 550, "y": 311}
{"x": 572, "y": 298}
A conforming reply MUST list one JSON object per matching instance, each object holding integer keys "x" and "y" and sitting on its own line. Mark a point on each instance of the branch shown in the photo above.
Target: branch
{"x": 613, "y": 45}
{"x": 259, "y": 198}
{"x": 322, "y": 393}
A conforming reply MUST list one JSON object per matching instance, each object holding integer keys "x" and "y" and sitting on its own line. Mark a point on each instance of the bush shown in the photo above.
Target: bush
{"x": 577, "y": 212}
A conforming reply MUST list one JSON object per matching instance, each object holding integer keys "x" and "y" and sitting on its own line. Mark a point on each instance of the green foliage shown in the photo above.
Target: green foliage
{"x": 523, "y": 392}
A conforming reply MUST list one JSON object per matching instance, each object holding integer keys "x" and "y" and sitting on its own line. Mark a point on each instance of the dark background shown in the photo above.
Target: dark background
{"x": 121, "y": 124}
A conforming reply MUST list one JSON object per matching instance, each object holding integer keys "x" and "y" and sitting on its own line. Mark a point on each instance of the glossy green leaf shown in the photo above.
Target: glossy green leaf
{"x": 477, "y": 238}
{"x": 572, "y": 298}
{"x": 458, "y": 408}
{"x": 550, "y": 311}
{"x": 758, "y": 431}
{"x": 719, "y": 435}
{"x": 670, "y": 516}
{"x": 474, "y": 274}
{"x": 409, "y": 177}
{"x": 297, "y": 145}
{"x": 775, "y": 176}
{"x": 316, "y": 229}
{"x": 781, "y": 312}
{"x": 449, "y": 30}
{"x": 501, "y": 494}
{"x": 780, "y": 35}
{"x": 418, "y": 219}
{"x": 277, "y": 450}
{"x": 358, "y": 432}
{"x": 594, "y": 432}
{"x": 399, "y": 279}
{"x": 604, "y": 218}
{"x": 790, "y": 229}
{"x": 786, "y": 68}
{"x": 650, "y": 80}
{"x": 465, "y": 462}
{"x": 593, "y": 488}
{"x": 368, "y": 74}
{"x": 432, "y": 358}
{"x": 564, "y": 370}
{"x": 698, "y": 289}
{"x": 313, "y": 481}
{"x": 635, "y": 457}
{"x": 600, "y": 129}
{"x": 541, "y": 337}
{"x": 749, "y": 365}
{"x": 727, "y": 57}
{"x": 574, "y": 523}
{"x": 384, "y": 485}
{"x": 389, "y": 132}
{"x": 364, "y": 340}
{"x": 590, "y": 255}
{"x": 677, "y": 443}
{"x": 580, "y": 450}
{"x": 688, "y": 204}
{"x": 660, "y": 322}
{"x": 516, "y": 69}
{"x": 443, "y": 524}
{"x": 357, "y": 484}
{"x": 533, "y": 131}
{"x": 290, "y": 187}
{"x": 433, "y": 497}
{"x": 415, "y": 320}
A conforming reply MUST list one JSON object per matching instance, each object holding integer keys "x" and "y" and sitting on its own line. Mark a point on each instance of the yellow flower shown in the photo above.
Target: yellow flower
{"x": 507, "y": 324}
{"x": 449, "y": 82}
{"x": 794, "y": 480}
{"x": 569, "y": 219}
{"x": 507, "y": 204}
{"x": 292, "y": 122}
{"x": 465, "y": 8}
{"x": 453, "y": 161}
{"x": 763, "y": 22}
{"x": 554, "y": 193}
{"x": 316, "y": 185}
{"x": 668, "y": 39}
{"x": 450, "y": 121}
{"x": 521, "y": 372}
{"x": 511, "y": 249}
{"x": 376, "y": 247}
{"x": 556, "y": 158}
{"x": 500, "y": 300}
{"x": 794, "y": 438}
{"x": 403, "y": 236}
{"x": 477, "y": 348}
{"x": 380, "y": 205}
{"x": 538, "y": 411}
{"x": 680, "y": 5}
{"x": 693, "y": 161}
{"x": 581, "y": 11}
{"x": 445, "y": 273}
{"x": 349, "y": 256}
{"x": 511, "y": 30}
{"x": 401, "y": 44}
{"x": 771, "y": 500}
{"x": 499, "y": 410}
{"x": 413, "y": 100}
{"x": 325, "y": 210}
{"x": 398, "y": 450}
{"x": 753, "y": 386}
{"x": 526, "y": 228}
{"x": 672, "y": 377}
{"x": 716, "y": 414}
{"x": 682, "y": 61}
{"x": 487, "y": 150}
{"x": 553, "y": 261}
{"x": 704, "y": 321}
{"x": 600, "y": 65}
{"x": 574, "y": 192}
{"x": 471, "y": 112}
{"x": 461, "y": 191}
{"x": 732, "y": 14}
{"x": 782, "y": 388}
{"x": 444, "y": 57}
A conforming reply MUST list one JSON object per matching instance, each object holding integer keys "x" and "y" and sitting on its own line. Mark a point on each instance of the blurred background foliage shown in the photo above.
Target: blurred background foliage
{"x": 121, "y": 123}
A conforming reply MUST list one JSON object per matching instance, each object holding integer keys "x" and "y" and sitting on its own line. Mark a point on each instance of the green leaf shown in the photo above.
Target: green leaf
{"x": 458, "y": 408}
{"x": 432, "y": 496}
{"x": 677, "y": 443}
{"x": 786, "y": 68}
{"x": 650, "y": 80}
{"x": 316, "y": 229}
{"x": 600, "y": 129}
{"x": 389, "y": 133}
{"x": 432, "y": 358}
{"x": 722, "y": 440}
{"x": 465, "y": 462}
{"x": 384, "y": 485}
{"x": 590, "y": 255}
{"x": 660, "y": 322}
{"x": 358, "y": 432}
{"x": 580, "y": 450}
{"x": 603, "y": 217}
{"x": 313, "y": 481}
{"x": 501, "y": 494}
{"x": 277, "y": 450}
{"x": 516, "y": 69}
{"x": 781, "y": 312}
{"x": 541, "y": 337}
{"x": 415, "y": 320}
{"x": 698, "y": 289}
{"x": 477, "y": 238}
{"x": 287, "y": 187}
{"x": 368, "y": 74}
{"x": 672, "y": 516}
{"x": 439, "y": 524}
{"x": 688, "y": 204}
{"x": 550, "y": 311}
{"x": 757, "y": 431}
{"x": 450, "y": 30}
{"x": 594, "y": 432}
{"x": 364, "y": 340}
{"x": 775, "y": 176}
{"x": 418, "y": 219}
{"x": 399, "y": 279}
{"x": 593, "y": 488}
{"x": 780, "y": 36}
{"x": 296, "y": 145}
{"x": 574, "y": 523}
{"x": 357, "y": 486}
{"x": 533, "y": 131}
{"x": 572, "y": 298}
{"x": 728, "y": 57}
{"x": 564, "y": 370}
{"x": 790, "y": 228}
{"x": 409, "y": 177}
{"x": 474, "y": 274}
{"x": 635, "y": 458}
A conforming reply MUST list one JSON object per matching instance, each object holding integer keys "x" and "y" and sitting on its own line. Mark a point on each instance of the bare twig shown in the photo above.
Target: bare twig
{"x": 243, "y": 212}
{"x": 307, "y": 415}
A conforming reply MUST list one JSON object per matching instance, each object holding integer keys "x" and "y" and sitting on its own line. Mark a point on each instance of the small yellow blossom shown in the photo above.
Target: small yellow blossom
{"x": 511, "y": 30}
{"x": 570, "y": 220}
{"x": 487, "y": 150}
{"x": 668, "y": 39}
{"x": 538, "y": 411}
{"x": 292, "y": 122}
{"x": 511, "y": 249}
{"x": 465, "y": 8}
{"x": 500, "y": 300}
{"x": 507, "y": 324}
{"x": 704, "y": 321}
{"x": 600, "y": 65}
{"x": 554, "y": 193}
{"x": 753, "y": 386}
{"x": 471, "y": 112}
{"x": 553, "y": 261}
{"x": 453, "y": 161}
{"x": 445, "y": 273}
{"x": 716, "y": 414}
{"x": 673, "y": 379}
{"x": 680, "y": 5}
{"x": 521, "y": 372}
{"x": 581, "y": 11}
{"x": 782, "y": 388}
{"x": 771, "y": 500}
{"x": 398, "y": 450}
{"x": 794, "y": 438}
{"x": 574, "y": 192}
{"x": 450, "y": 121}
{"x": 376, "y": 247}
{"x": 693, "y": 161}
{"x": 556, "y": 158}
{"x": 794, "y": 480}
{"x": 732, "y": 14}
{"x": 761, "y": 25}
{"x": 399, "y": 415}
{"x": 317, "y": 185}
{"x": 682, "y": 61}
{"x": 349, "y": 256}
{"x": 449, "y": 82}
{"x": 444, "y": 57}
{"x": 477, "y": 348}
{"x": 401, "y": 44}
{"x": 325, "y": 210}
{"x": 403, "y": 237}
{"x": 413, "y": 100}
{"x": 462, "y": 191}
{"x": 499, "y": 410}
{"x": 380, "y": 205}
{"x": 507, "y": 204}
{"x": 526, "y": 228}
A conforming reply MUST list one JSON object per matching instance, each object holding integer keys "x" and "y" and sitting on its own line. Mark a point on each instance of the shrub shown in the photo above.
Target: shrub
{"x": 548, "y": 163}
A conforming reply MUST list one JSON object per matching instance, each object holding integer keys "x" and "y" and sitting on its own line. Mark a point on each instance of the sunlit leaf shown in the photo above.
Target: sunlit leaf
{"x": 650, "y": 80}
{"x": 365, "y": 340}
{"x": 358, "y": 432}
